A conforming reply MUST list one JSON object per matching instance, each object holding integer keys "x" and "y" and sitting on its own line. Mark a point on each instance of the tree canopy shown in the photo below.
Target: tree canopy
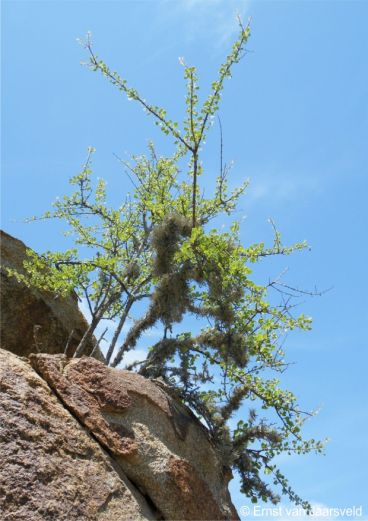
{"x": 159, "y": 252}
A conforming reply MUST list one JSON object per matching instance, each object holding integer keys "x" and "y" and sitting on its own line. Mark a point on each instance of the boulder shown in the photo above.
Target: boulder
{"x": 52, "y": 468}
{"x": 160, "y": 445}
{"x": 33, "y": 320}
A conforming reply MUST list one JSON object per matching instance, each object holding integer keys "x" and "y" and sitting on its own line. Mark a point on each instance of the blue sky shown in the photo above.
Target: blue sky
{"x": 294, "y": 118}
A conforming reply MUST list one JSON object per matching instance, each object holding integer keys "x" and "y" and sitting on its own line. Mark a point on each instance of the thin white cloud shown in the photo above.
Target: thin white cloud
{"x": 217, "y": 18}
{"x": 138, "y": 355}
{"x": 154, "y": 332}
{"x": 109, "y": 324}
{"x": 131, "y": 356}
{"x": 282, "y": 188}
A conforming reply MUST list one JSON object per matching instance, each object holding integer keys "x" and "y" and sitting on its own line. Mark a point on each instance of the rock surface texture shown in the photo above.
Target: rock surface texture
{"x": 51, "y": 467}
{"x": 32, "y": 320}
{"x": 81, "y": 441}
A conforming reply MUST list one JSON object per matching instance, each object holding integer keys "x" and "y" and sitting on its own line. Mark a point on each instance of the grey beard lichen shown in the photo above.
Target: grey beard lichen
{"x": 166, "y": 240}
{"x": 172, "y": 298}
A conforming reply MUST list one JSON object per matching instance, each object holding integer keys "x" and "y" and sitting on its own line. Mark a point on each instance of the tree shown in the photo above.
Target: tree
{"x": 157, "y": 248}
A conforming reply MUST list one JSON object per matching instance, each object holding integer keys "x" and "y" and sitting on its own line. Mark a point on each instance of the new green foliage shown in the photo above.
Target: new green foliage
{"x": 158, "y": 248}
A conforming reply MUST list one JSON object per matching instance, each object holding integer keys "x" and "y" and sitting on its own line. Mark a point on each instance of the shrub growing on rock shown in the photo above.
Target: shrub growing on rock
{"x": 158, "y": 247}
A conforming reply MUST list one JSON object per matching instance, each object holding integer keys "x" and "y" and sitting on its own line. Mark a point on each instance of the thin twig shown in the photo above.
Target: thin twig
{"x": 68, "y": 342}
